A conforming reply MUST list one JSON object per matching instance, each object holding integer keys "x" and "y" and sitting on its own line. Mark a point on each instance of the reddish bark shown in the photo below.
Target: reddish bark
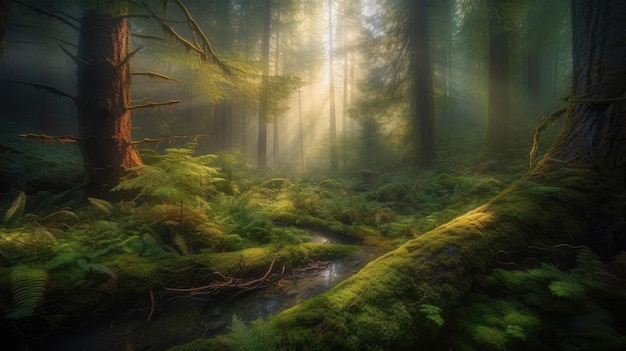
{"x": 104, "y": 97}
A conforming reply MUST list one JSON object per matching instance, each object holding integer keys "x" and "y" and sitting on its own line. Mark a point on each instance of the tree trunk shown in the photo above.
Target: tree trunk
{"x": 572, "y": 196}
{"x": 498, "y": 110}
{"x": 104, "y": 98}
{"x": 264, "y": 98}
{"x": 5, "y": 8}
{"x": 422, "y": 108}
{"x": 334, "y": 160}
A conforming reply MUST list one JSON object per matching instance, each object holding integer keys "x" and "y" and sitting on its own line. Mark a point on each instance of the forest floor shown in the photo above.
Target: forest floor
{"x": 201, "y": 220}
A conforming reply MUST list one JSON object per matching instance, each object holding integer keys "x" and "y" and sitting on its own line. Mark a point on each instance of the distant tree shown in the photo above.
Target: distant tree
{"x": 264, "y": 96}
{"x": 334, "y": 158}
{"x": 421, "y": 89}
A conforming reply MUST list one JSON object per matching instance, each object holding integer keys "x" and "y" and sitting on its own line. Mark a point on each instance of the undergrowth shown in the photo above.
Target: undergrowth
{"x": 580, "y": 308}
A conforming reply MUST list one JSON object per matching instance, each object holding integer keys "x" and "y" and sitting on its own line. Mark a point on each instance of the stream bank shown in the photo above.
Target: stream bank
{"x": 177, "y": 321}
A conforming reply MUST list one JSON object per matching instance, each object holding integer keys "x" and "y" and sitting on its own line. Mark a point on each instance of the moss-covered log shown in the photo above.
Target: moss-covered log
{"x": 386, "y": 305}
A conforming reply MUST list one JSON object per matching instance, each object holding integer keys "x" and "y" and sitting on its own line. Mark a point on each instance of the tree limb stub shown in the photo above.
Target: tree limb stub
{"x": 48, "y": 88}
{"x": 128, "y": 57}
{"x": 154, "y": 104}
{"x": 155, "y": 75}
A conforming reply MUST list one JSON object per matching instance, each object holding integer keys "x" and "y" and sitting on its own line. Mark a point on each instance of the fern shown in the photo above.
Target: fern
{"x": 100, "y": 204}
{"x": 590, "y": 265}
{"x": 432, "y": 314}
{"x": 62, "y": 260}
{"x": 259, "y": 336}
{"x": 28, "y": 287}
{"x": 16, "y": 209}
{"x": 181, "y": 244}
{"x": 568, "y": 289}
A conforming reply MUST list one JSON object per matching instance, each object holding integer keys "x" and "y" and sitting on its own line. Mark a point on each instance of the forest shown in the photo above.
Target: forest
{"x": 312, "y": 175}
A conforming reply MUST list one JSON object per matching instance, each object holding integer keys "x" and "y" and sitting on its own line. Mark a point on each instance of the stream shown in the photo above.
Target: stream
{"x": 183, "y": 321}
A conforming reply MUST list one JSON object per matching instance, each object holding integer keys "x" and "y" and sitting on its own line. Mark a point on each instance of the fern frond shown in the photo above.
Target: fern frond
{"x": 62, "y": 260}
{"x": 28, "y": 287}
{"x": 590, "y": 265}
{"x": 181, "y": 243}
{"x": 102, "y": 205}
{"x": 432, "y": 314}
{"x": 58, "y": 217}
{"x": 16, "y": 209}
{"x": 568, "y": 289}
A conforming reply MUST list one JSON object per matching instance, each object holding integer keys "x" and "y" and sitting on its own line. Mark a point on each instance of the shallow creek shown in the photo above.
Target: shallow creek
{"x": 180, "y": 322}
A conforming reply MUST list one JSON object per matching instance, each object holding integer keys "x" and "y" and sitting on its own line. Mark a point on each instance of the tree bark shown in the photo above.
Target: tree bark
{"x": 104, "y": 97}
{"x": 572, "y": 196}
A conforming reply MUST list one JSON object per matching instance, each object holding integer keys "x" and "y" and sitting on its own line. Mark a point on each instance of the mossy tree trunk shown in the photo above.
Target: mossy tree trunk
{"x": 104, "y": 97}
{"x": 571, "y": 196}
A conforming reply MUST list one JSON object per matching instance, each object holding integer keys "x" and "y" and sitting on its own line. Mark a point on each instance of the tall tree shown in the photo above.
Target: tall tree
{"x": 264, "y": 93}
{"x": 572, "y": 196}
{"x": 421, "y": 91}
{"x": 104, "y": 98}
{"x": 498, "y": 107}
{"x": 334, "y": 160}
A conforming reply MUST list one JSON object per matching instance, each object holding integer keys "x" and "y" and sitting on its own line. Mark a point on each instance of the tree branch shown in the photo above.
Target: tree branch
{"x": 153, "y": 104}
{"x": 155, "y": 75}
{"x": 170, "y": 139}
{"x": 144, "y": 36}
{"x": 53, "y": 15}
{"x": 44, "y": 138}
{"x": 128, "y": 57}
{"x": 45, "y": 87}
{"x": 74, "y": 57}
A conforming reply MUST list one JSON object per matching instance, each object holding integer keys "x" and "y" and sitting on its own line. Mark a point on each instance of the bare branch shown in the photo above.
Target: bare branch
{"x": 170, "y": 139}
{"x": 154, "y": 104}
{"x": 155, "y": 75}
{"x": 66, "y": 42}
{"x": 206, "y": 52}
{"x": 53, "y": 15}
{"x": 74, "y": 57}
{"x": 45, "y": 87}
{"x": 144, "y": 36}
{"x": 128, "y": 57}
{"x": 209, "y": 53}
{"x": 44, "y": 138}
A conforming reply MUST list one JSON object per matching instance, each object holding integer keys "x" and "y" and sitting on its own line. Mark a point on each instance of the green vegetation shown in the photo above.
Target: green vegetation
{"x": 191, "y": 216}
